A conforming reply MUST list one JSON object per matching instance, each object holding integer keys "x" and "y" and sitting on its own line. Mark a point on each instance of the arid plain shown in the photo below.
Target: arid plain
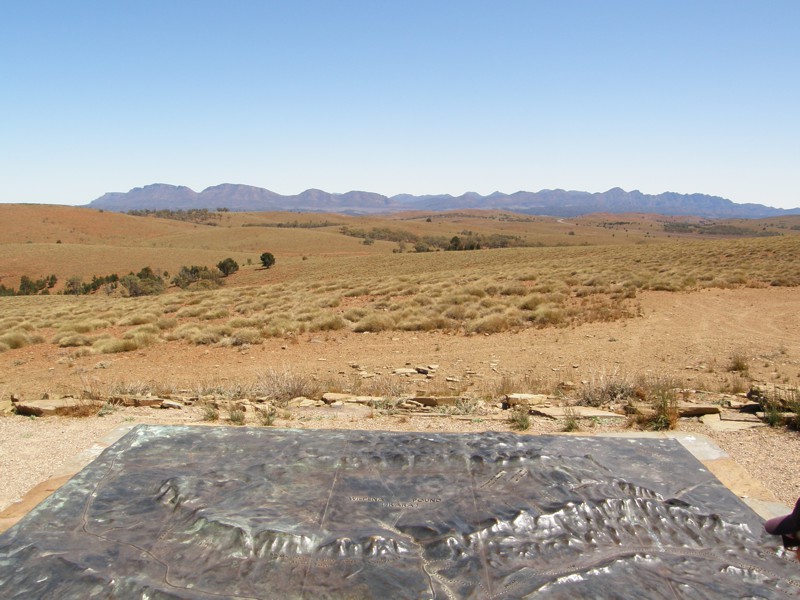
{"x": 567, "y": 307}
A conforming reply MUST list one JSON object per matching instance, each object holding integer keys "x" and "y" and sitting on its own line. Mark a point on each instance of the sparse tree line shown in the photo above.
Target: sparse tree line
{"x": 146, "y": 282}
{"x": 202, "y": 216}
{"x": 467, "y": 240}
{"x": 294, "y": 224}
{"x": 30, "y": 287}
{"x": 716, "y": 229}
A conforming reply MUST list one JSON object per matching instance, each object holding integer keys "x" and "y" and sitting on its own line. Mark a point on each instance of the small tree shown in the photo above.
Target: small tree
{"x": 267, "y": 259}
{"x": 228, "y": 266}
{"x": 74, "y": 285}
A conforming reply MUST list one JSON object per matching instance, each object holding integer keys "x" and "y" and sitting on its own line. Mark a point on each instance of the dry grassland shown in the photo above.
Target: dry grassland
{"x": 325, "y": 282}
{"x": 487, "y": 291}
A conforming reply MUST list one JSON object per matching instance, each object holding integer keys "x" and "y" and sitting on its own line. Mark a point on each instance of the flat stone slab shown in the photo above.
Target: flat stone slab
{"x": 49, "y": 406}
{"x": 717, "y": 423}
{"x": 218, "y": 512}
{"x": 582, "y": 412}
{"x": 513, "y": 400}
{"x": 735, "y": 415}
{"x": 690, "y": 409}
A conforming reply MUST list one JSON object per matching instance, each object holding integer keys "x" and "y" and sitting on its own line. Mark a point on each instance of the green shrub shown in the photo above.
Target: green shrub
{"x": 144, "y": 283}
{"x": 267, "y": 259}
{"x": 197, "y": 278}
{"x": 228, "y": 266}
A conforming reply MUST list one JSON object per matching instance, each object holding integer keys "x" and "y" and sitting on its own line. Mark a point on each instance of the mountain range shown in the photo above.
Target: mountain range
{"x": 558, "y": 203}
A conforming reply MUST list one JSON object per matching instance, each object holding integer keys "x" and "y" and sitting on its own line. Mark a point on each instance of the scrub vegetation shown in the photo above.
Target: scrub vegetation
{"x": 314, "y": 286}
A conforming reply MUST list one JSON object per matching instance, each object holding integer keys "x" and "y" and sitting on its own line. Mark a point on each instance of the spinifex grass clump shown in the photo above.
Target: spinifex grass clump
{"x": 209, "y": 412}
{"x": 236, "y": 415}
{"x": 738, "y": 362}
{"x": 609, "y": 389}
{"x": 660, "y": 408}
{"x": 266, "y": 415}
{"x": 280, "y": 386}
{"x": 779, "y": 404}
{"x": 571, "y": 419}
{"x": 519, "y": 418}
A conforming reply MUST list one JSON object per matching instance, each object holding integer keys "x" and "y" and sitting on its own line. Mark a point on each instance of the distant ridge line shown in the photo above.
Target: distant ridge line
{"x": 557, "y": 203}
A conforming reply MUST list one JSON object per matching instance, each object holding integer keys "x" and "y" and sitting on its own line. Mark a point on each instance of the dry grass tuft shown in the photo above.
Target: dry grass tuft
{"x": 519, "y": 418}
{"x": 739, "y": 362}
{"x": 14, "y": 340}
{"x": 284, "y": 385}
{"x": 374, "y": 323}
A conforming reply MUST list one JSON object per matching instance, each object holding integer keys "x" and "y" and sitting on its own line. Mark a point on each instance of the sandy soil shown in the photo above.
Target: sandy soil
{"x": 688, "y": 336}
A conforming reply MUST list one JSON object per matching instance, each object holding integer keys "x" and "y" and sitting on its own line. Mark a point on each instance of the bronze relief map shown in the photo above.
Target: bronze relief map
{"x": 256, "y": 513}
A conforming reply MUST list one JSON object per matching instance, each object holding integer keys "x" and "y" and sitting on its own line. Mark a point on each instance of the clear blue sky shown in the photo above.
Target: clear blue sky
{"x": 400, "y": 96}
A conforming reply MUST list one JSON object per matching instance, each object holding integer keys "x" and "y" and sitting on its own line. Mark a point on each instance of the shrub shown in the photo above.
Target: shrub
{"x": 228, "y": 266}
{"x": 194, "y": 275}
{"x": 30, "y": 287}
{"x": 144, "y": 283}
{"x": 660, "y": 393}
{"x": 267, "y": 259}
{"x": 738, "y": 362}
{"x": 607, "y": 391}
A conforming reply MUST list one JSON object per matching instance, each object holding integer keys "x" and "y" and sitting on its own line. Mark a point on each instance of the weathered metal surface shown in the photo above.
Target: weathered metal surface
{"x": 202, "y": 513}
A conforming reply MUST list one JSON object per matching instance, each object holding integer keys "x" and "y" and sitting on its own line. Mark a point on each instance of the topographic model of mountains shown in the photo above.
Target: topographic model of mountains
{"x": 210, "y": 513}
{"x": 559, "y": 203}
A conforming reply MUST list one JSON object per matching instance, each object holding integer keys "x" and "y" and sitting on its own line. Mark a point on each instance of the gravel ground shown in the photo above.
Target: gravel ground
{"x": 34, "y": 450}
